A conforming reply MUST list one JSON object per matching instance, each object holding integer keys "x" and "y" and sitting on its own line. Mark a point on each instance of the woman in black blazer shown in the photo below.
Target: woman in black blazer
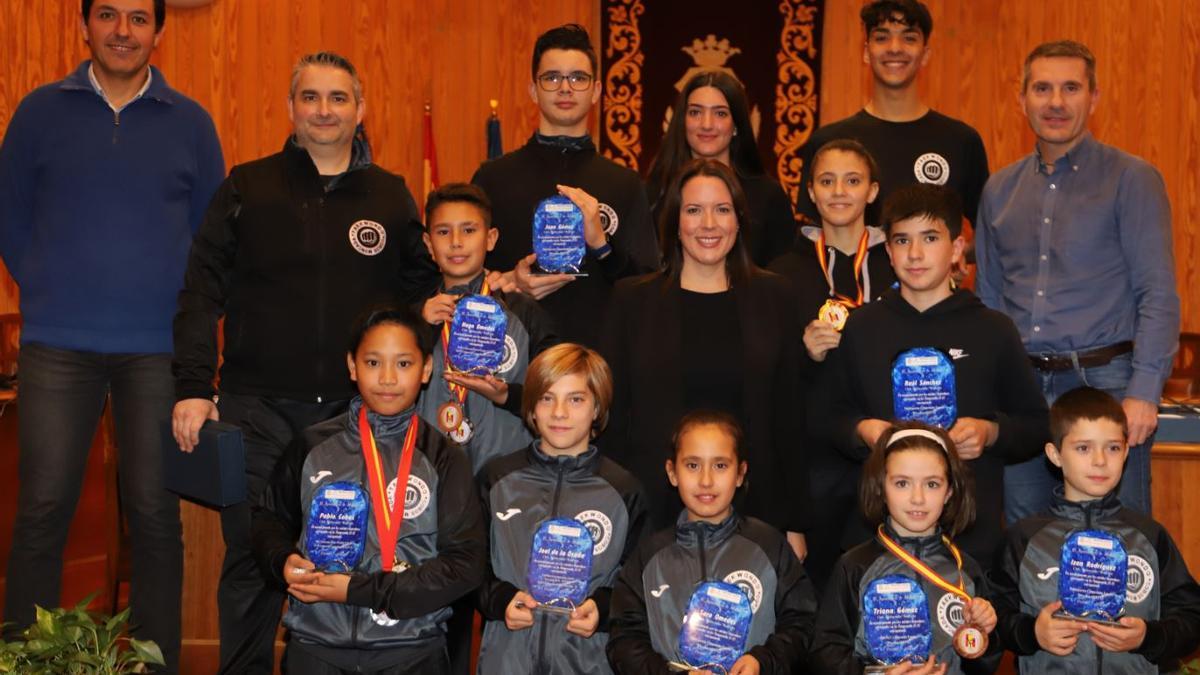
{"x": 711, "y": 330}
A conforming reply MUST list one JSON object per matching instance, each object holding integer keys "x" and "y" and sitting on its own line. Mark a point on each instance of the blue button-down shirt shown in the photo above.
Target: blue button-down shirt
{"x": 1080, "y": 257}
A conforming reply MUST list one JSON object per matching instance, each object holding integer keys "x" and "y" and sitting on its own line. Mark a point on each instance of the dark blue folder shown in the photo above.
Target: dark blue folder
{"x": 214, "y": 472}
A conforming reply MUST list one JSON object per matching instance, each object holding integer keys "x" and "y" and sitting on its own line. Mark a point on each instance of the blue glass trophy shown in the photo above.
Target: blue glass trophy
{"x": 715, "y": 627}
{"x": 923, "y": 387}
{"x": 1092, "y": 577}
{"x": 558, "y": 237}
{"x": 476, "y": 344}
{"x": 560, "y": 565}
{"x": 895, "y": 614}
{"x": 336, "y": 530}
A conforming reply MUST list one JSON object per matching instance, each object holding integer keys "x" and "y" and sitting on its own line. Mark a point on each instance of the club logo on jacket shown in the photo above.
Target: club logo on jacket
{"x": 932, "y": 168}
{"x": 510, "y": 355}
{"x": 749, "y": 584}
{"x": 368, "y": 237}
{"x": 416, "y": 496}
{"x": 608, "y": 219}
{"x": 599, "y": 526}
{"x": 951, "y": 612}
{"x": 1140, "y": 579}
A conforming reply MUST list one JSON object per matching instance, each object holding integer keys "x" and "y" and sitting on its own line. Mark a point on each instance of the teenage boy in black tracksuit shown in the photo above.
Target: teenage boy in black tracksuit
{"x": 1160, "y": 623}
{"x": 621, "y": 239}
{"x": 1001, "y": 416}
{"x": 293, "y": 247}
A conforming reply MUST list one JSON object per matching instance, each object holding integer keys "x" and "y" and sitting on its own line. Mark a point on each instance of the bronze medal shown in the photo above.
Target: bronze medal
{"x": 449, "y": 416}
{"x": 970, "y": 641}
{"x": 834, "y": 312}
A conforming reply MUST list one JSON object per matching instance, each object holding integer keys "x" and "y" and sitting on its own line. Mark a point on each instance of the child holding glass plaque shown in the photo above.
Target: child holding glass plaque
{"x": 485, "y": 337}
{"x": 718, "y": 592}
{"x": 370, "y": 520}
{"x": 1092, "y": 586}
{"x": 562, "y": 521}
{"x": 932, "y": 352}
{"x": 909, "y": 599}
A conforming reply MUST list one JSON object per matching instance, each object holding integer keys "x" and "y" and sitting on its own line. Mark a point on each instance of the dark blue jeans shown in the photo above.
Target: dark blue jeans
{"x": 1028, "y": 485}
{"x": 62, "y": 394}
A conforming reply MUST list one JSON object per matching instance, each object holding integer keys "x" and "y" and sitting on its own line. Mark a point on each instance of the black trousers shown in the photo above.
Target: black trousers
{"x": 304, "y": 659}
{"x": 248, "y": 606}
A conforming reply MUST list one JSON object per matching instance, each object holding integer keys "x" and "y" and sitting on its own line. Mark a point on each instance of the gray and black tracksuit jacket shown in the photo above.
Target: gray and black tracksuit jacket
{"x": 840, "y": 646}
{"x": 1159, "y": 589}
{"x": 520, "y": 491}
{"x": 657, "y": 583}
{"x": 496, "y": 430}
{"x": 441, "y": 537}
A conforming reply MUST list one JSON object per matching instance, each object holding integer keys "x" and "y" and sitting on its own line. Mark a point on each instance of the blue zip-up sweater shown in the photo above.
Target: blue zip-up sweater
{"x": 98, "y": 209}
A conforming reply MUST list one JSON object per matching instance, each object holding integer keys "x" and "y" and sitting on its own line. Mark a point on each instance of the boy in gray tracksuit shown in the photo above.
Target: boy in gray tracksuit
{"x": 559, "y": 475}
{"x": 1160, "y": 623}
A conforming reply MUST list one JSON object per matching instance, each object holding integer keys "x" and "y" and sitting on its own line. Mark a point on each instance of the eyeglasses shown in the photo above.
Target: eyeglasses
{"x": 552, "y": 81}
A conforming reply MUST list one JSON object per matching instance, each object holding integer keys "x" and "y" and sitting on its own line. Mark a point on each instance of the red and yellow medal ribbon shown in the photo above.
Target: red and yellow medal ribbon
{"x": 925, "y": 570}
{"x": 860, "y": 256}
{"x": 457, "y": 391}
{"x": 388, "y": 519}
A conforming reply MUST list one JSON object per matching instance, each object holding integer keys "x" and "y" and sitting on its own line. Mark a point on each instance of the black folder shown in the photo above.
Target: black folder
{"x": 214, "y": 472}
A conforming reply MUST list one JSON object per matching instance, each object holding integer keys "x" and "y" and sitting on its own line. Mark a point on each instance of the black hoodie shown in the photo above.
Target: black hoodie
{"x": 994, "y": 381}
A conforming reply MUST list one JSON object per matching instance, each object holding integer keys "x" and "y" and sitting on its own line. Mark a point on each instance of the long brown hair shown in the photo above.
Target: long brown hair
{"x": 675, "y": 151}
{"x": 738, "y": 265}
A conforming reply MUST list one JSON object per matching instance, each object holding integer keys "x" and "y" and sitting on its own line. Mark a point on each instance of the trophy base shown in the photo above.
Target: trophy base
{"x": 1087, "y": 619}
{"x": 554, "y": 609}
{"x": 539, "y": 272}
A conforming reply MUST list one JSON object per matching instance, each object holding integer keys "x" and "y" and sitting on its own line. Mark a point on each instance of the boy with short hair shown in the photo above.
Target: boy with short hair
{"x": 459, "y": 233}
{"x": 1160, "y": 622}
{"x": 998, "y": 416}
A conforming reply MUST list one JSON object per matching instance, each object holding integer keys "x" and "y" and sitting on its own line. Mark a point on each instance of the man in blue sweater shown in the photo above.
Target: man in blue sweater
{"x": 104, "y": 177}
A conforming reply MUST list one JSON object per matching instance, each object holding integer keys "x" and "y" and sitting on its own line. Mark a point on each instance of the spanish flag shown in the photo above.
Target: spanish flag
{"x": 430, "y": 182}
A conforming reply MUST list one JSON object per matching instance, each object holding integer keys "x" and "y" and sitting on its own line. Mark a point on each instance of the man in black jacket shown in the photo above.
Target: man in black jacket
{"x": 293, "y": 247}
{"x": 561, "y": 158}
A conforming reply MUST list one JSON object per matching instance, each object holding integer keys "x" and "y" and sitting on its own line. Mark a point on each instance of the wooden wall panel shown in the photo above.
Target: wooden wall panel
{"x": 1148, "y": 54}
{"x": 235, "y": 57}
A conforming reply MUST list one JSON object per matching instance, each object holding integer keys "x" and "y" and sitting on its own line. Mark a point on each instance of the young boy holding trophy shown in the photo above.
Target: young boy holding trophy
{"x": 1092, "y": 586}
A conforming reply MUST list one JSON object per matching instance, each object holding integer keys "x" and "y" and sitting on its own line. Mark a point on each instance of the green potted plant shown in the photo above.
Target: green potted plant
{"x": 76, "y": 641}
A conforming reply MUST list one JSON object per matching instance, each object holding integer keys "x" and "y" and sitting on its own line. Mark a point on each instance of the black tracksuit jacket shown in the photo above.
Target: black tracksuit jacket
{"x": 290, "y": 261}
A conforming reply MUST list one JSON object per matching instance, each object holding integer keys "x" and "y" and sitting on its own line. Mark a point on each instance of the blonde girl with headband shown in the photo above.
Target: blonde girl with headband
{"x": 908, "y": 601}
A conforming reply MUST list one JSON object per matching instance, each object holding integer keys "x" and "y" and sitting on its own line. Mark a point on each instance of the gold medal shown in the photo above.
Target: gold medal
{"x": 834, "y": 312}
{"x": 970, "y": 641}
{"x": 449, "y": 416}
